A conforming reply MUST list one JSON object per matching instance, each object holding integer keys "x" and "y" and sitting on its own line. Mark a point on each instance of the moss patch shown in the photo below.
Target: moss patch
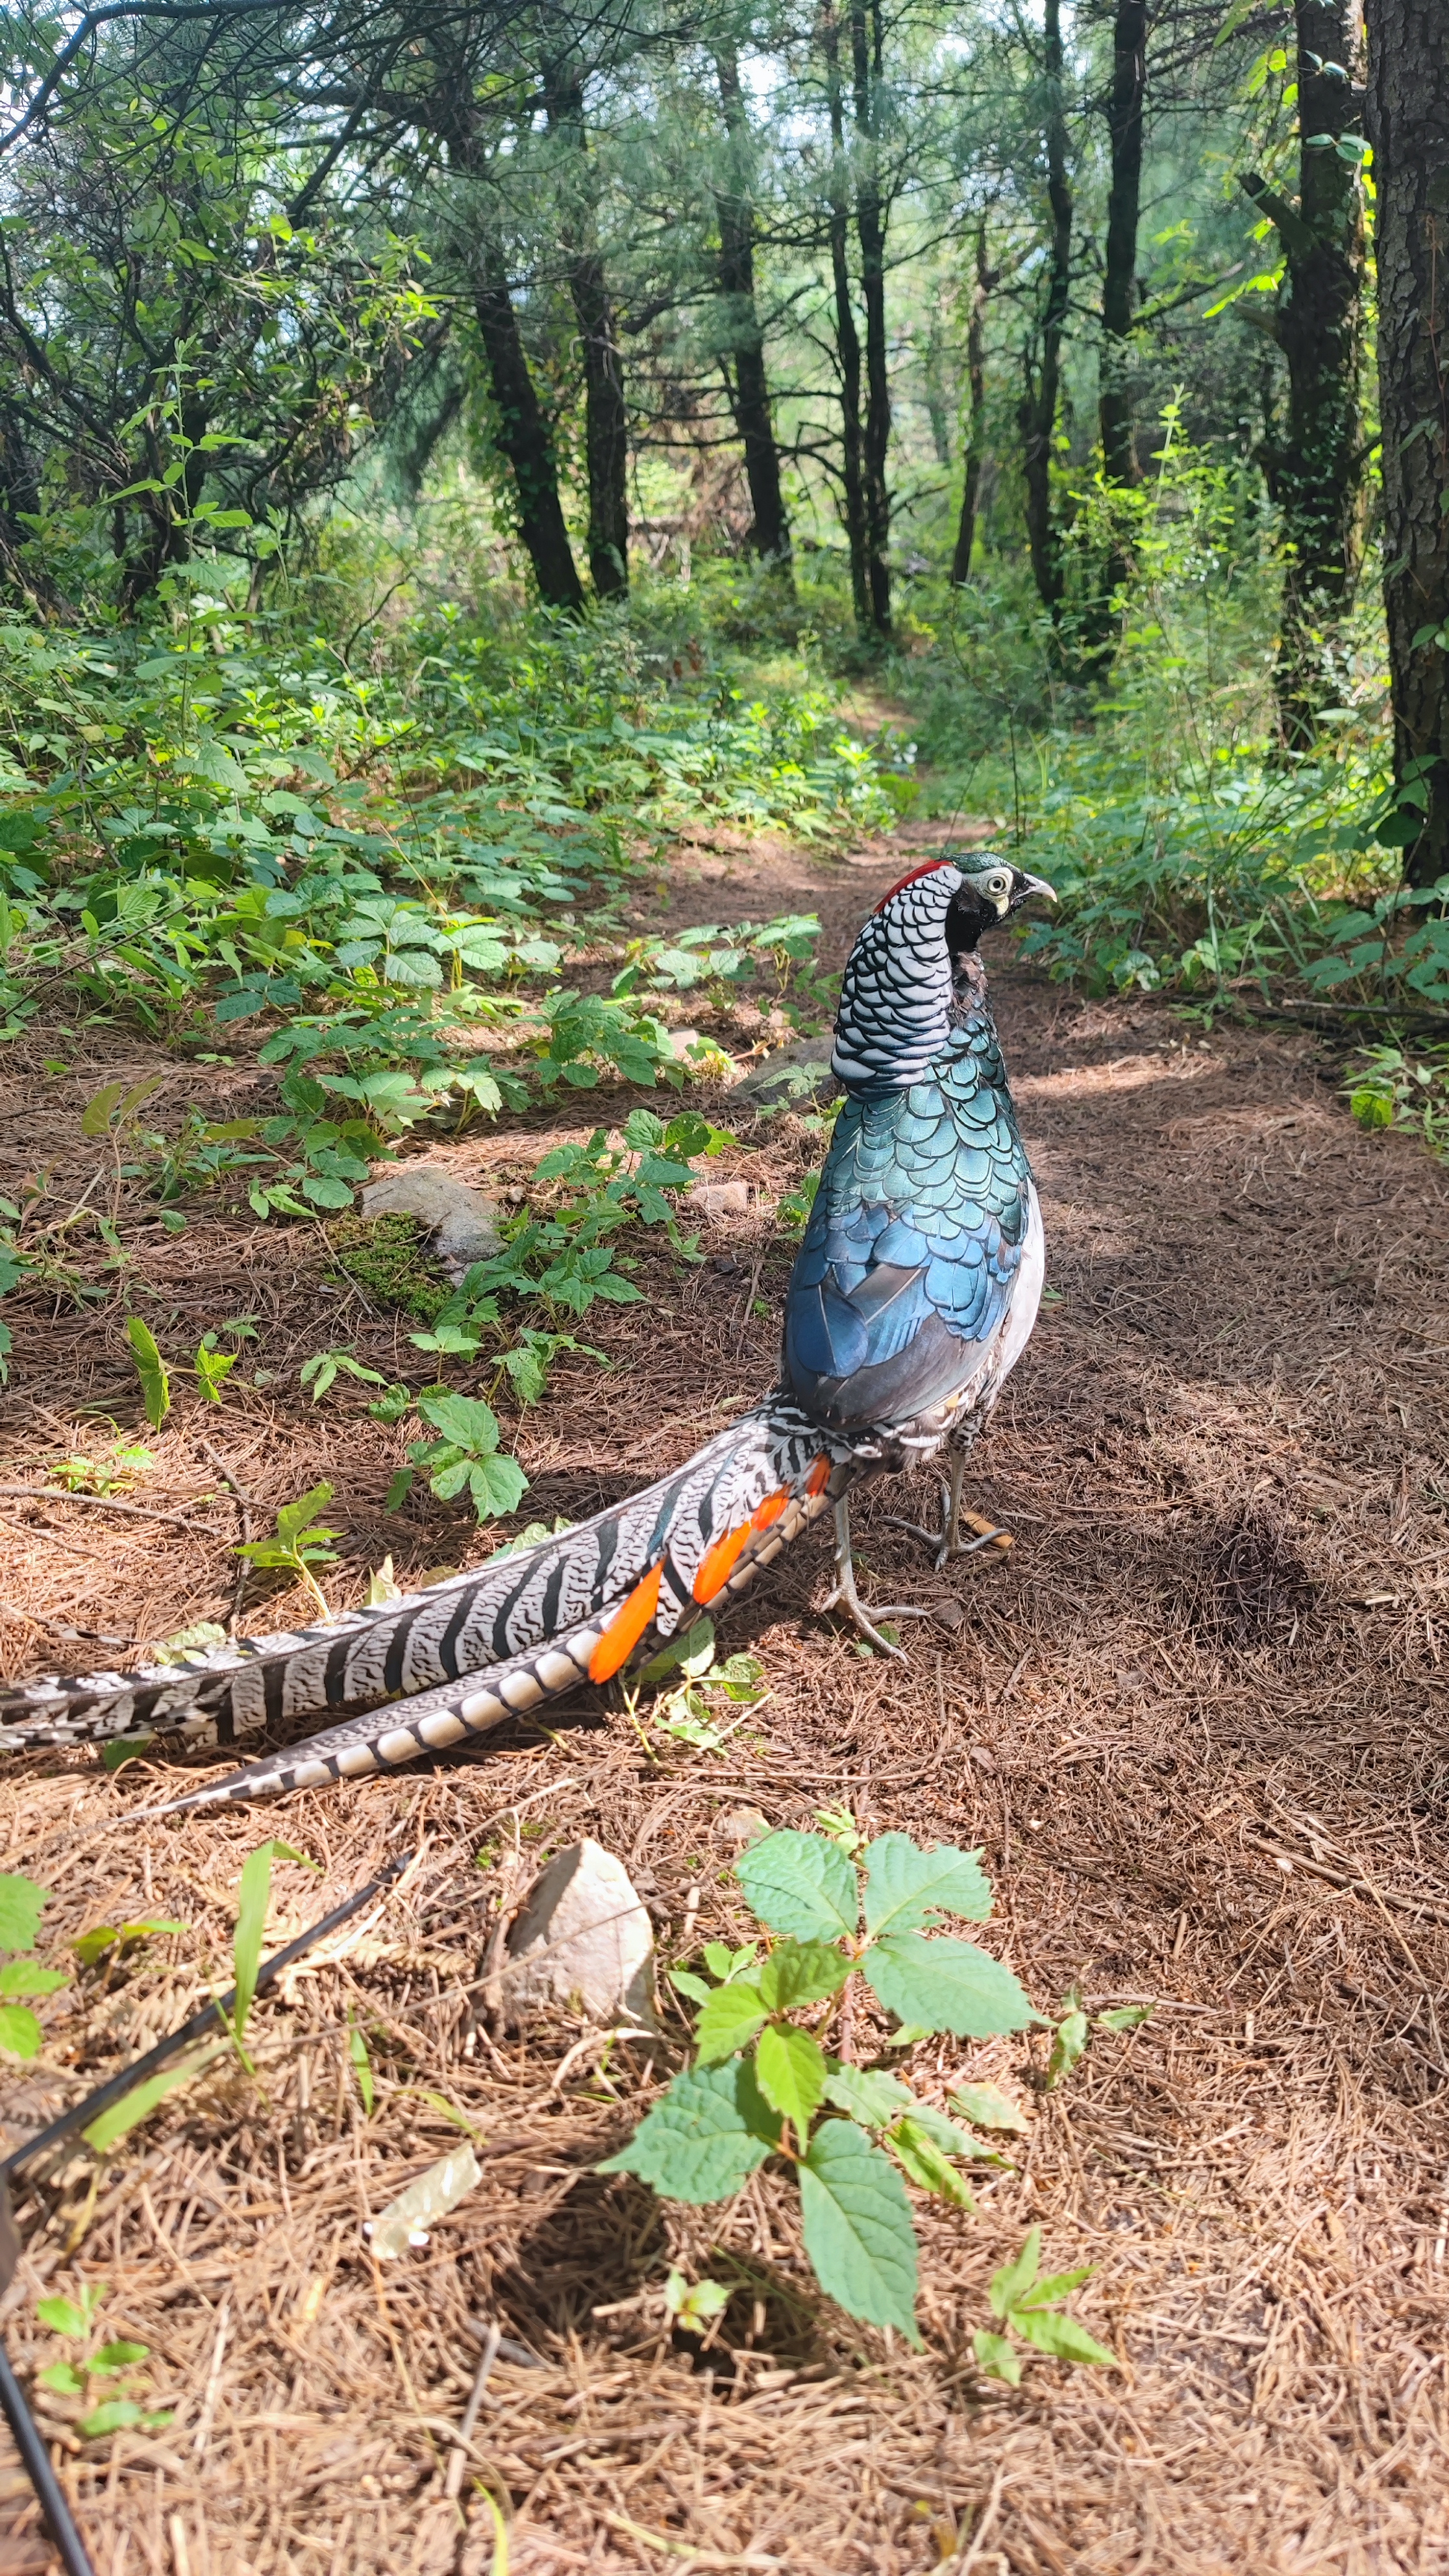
{"x": 387, "y": 1256}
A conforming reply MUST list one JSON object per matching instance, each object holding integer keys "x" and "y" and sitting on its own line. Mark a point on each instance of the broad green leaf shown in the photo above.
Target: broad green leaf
{"x": 27, "y": 1977}
{"x": 251, "y": 1922}
{"x": 22, "y": 1903}
{"x": 951, "y": 2140}
{"x": 685, "y": 1982}
{"x": 906, "y": 1888}
{"x": 464, "y": 1419}
{"x": 141, "y": 2101}
{"x": 947, "y": 1985}
{"x": 1123, "y": 2017}
{"x": 708, "y": 2134}
{"x": 92, "y": 1945}
{"x": 1055, "y": 2287}
{"x": 728, "y": 2021}
{"x": 123, "y": 1749}
{"x": 151, "y": 1370}
{"x": 497, "y": 1485}
{"x": 790, "y": 2070}
{"x": 20, "y": 2032}
{"x": 802, "y": 1972}
{"x": 858, "y": 2231}
{"x": 117, "y": 2356}
{"x": 995, "y": 2356}
{"x": 691, "y": 1652}
{"x": 1015, "y": 2278}
{"x": 988, "y": 2108}
{"x": 869, "y": 2096}
{"x": 297, "y": 1521}
{"x": 62, "y": 2316}
{"x": 62, "y": 2376}
{"x": 116, "y": 2415}
{"x": 918, "y": 2152}
{"x": 1069, "y": 2044}
{"x": 800, "y": 1884}
{"x": 1061, "y": 2337}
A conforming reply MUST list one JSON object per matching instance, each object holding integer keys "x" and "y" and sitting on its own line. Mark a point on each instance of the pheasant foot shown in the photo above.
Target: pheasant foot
{"x": 848, "y": 1598}
{"x": 947, "y": 1541}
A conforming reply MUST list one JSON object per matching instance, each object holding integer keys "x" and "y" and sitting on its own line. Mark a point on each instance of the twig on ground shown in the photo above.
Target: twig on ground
{"x": 458, "y": 2456}
{"x": 99, "y": 1503}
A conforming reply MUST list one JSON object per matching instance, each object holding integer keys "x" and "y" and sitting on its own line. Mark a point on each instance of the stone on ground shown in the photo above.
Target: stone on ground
{"x": 583, "y": 1939}
{"x": 461, "y": 1220}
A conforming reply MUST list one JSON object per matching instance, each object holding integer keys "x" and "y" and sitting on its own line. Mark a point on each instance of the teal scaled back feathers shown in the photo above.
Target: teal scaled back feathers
{"x": 915, "y": 1237}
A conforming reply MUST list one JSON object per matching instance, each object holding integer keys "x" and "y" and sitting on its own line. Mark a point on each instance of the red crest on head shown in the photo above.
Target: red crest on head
{"x": 928, "y": 870}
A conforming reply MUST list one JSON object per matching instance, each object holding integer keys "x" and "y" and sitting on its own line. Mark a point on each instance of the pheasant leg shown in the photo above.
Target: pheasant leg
{"x": 947, "y": 1541}
{"x": 849, "y": 1599}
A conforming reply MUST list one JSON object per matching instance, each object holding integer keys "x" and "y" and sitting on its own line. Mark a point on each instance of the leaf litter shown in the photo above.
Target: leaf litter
{"x": 1216, "y": 1647}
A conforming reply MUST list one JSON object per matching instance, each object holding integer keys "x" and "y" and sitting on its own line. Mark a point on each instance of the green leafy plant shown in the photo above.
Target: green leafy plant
{"x": 361, "y": 2064}
{"x": 251, "y": 1927}
{"x": 1072, "y": 2031}
{"x": 93, "y": 1945}
{"x": 1032, "y": 2309}
{"x": 322, "y": 1372}
{"x": 74, "y": 2323}
{"x": 465, "y": 1460}
{"x": 151, "y": 1370}
{"x": 1391, "y": 1088}
{"x": 22, "y": 1903}
{"x": 764, "y": 2084}
{"x": 694, "y": 2305}
{"x": 299, "y": 1544}
{"x": 685, "y": 1712}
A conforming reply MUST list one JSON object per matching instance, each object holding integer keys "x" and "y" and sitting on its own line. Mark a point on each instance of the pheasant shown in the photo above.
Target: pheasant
{"x": 913, "y": 1294}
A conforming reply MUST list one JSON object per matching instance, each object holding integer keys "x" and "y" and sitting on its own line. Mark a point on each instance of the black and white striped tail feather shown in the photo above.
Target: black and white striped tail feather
{"x": 472, "y": 1624}
{"x": 389, "y": 1737}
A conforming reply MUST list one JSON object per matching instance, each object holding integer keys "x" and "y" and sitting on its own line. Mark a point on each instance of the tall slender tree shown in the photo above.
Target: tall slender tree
{"x": 867, "y": 74}
{"x": 1408, "y": 126}
{"x": 1315, "y": 471}
{"x": 606, "y": 421}
{"x": 749, "y": 388}
{"x": 982, "y": 284}
{"x": 1043, "y": 359}
{"x": 847, "y": 337}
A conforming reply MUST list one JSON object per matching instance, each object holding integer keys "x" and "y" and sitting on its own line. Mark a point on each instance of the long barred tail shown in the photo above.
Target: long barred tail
{"x": 473, "y": 1651}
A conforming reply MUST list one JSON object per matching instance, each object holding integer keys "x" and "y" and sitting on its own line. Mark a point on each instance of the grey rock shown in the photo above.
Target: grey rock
{"x": 462, "y": 1222}
{"x": 583, "y": 1938}
{"x": 797, "y": 1072}
{"x": 719, "y": 1198}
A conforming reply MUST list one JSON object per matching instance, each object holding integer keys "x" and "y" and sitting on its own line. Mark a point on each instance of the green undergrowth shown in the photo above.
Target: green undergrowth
{"x": 388, "y": 1257}
{"x": 1190, "y": 850}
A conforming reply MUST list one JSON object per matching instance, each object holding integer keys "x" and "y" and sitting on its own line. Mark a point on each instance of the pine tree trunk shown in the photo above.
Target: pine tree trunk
{"x": 1038, "y": 411}
{"x": 976, "y": 416}
{"x": 750, "y": 390}
{"x": 870, "y": 224}
{"x": 523, "y": 434}
{"x": 1408, "y": 126}
{"x": 847, "y": 338}
{"x": 1119, "y": 272}
{"x": 1315, "y": 473}
{"x": 606, "y": 421}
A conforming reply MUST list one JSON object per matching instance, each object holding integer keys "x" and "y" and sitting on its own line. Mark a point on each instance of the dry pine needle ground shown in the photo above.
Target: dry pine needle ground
{"x": 1197, "y": 1721}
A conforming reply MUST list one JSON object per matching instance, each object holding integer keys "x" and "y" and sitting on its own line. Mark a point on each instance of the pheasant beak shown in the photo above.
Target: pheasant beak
{"x": 1036, "y": 885}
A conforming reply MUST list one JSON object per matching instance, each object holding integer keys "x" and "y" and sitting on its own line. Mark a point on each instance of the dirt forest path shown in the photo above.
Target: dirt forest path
{"x": 1198, "y": 1722}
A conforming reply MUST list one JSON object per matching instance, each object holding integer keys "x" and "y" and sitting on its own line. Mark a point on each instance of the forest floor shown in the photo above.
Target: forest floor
{"x": 1196, "y": 1718}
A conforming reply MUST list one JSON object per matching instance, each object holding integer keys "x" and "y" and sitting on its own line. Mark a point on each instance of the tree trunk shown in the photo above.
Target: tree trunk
{"x": 1038, "y": 411}
{"x": 976, "y": 416}
{"x": 750, "y": 390}
{"x": 606, "y": 422}
{"x": 870, "y": 224}
{"x": 523, "y": 433}
{"x": 1119, "y": 274}
{"x": 168, "y": 527}
{"x": 1315, "y": 474}
{"x": 847, "y": 338}
{"x": 1408, "y": 126}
